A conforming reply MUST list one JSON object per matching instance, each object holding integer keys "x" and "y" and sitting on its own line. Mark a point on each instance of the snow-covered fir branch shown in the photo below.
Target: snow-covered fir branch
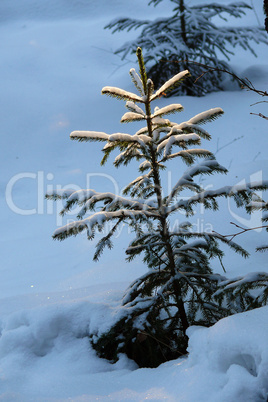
{"x": 240, "y": 193}
{"x": 98, "y": 219}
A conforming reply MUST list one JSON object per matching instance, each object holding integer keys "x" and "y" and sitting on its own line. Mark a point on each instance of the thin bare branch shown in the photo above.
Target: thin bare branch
{"x": 243, "y": 230}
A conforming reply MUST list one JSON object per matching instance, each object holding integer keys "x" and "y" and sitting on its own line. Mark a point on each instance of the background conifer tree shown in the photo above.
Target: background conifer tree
{"x": 188, "y": 38}
{"x": 179, "y": 288}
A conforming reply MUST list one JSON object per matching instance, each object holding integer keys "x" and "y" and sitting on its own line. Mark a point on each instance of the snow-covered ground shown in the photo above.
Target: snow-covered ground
{"x": 56, "y": 57}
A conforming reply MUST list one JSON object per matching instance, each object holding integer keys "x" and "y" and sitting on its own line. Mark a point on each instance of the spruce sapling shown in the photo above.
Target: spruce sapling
{"x": 180, "y": 288}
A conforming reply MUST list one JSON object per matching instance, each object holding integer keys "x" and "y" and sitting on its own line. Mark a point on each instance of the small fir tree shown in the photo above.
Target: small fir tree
{"x": 179, "y": 288}
{"x": 188, "y": 39}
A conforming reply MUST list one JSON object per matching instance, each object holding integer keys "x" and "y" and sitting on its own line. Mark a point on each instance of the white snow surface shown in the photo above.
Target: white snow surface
{"x": 56, "y": 58}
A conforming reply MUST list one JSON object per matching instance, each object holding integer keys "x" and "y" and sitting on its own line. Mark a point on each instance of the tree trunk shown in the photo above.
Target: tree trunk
{"x": 182, "y": 19}
{"x": 177, "y": 288}
{"x": 158, "y": 192}
{"x": 265, "y": 9}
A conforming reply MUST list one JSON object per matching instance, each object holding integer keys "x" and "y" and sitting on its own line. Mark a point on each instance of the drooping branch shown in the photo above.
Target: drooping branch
{"x": 87, "y": 199}
{"x": 242, "y": 195}
{"x": 98, "y": 220}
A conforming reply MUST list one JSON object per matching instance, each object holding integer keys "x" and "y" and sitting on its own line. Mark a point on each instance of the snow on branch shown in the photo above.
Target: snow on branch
{"x": 170, "y": 84}
{"x": 145, "y": 165}
{"x": 187, "y": 127}
{"x": 132, "y": 116}
{"x": 115, "y": 202}
{"x": 186, "y": 180}
{"x": 136, "y": 81}
{"x": 214, "y": 236}
{"x": 204, "y": 117}
{"x": 132, "y": 107}
{"x": 121, "y": 94}
{"x": 59, "y": 194}
{"x": 159, "y": 122}
{"x": 143, "y": 130}
{"x": 141, "y": 139}
{"x": 241, "y": 280}
{"x": 177, "y": 140}
{"x": 257, "y": 205}
{"x": 193, "y": 245}
{"x": 89, "y": 136}
{"x": 128, "y": 154}
{"x": 73, "y": 197}
{"x": 240, "y": 193}
{"x": 98, "y": 220}
{"x": 188, "y": 156}
{"x": 170, "y": 109}
{"x": 88, "y": 198}
{"x": 241, "y": 284}
{"x": 117, "y": 137}
{"x": 184, "y": 128}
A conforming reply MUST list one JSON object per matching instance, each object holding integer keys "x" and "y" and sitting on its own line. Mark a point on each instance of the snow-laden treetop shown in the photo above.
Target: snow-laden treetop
{"x": 153, "y": 145}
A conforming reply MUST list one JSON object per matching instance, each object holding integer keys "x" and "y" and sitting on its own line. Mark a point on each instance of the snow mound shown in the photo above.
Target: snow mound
{"x": 232, "y": 357}
{"x": 45, "y": 355}
{"x": 45, "y": 352}
{"x": 257, "y": 74}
